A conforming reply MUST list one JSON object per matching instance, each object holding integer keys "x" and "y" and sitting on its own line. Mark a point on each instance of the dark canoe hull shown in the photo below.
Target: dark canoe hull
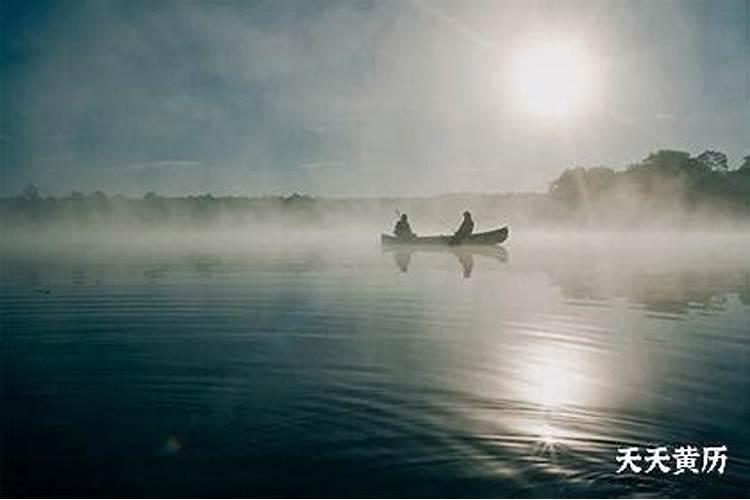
{"x": 494, "y": 237}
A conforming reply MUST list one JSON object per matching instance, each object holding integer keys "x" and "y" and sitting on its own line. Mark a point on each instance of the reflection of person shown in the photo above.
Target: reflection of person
{"x": 403, "y": 229}
{"x": 467, "y": 262}
{"x": 465, "y": 256}
{"x": 465, "y": 230}
{"x": 402, "y": 260}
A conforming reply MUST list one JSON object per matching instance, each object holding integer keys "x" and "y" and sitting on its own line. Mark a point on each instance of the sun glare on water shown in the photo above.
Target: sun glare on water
{"x": 553, "y": 79}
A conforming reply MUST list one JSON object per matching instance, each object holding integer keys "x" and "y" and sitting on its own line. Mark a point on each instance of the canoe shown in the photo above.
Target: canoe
{"x": 494, "y": 237}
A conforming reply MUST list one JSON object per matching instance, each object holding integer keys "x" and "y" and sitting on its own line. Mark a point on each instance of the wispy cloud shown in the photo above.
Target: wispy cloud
{"x": 160, "y": 164}
{"x": 322, "y": 164}
{"x": 462, "y": 29}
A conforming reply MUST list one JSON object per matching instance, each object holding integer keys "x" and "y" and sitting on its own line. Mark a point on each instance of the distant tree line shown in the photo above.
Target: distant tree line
{"x": 668, "y": 187}
{"x": 92, "y": 209}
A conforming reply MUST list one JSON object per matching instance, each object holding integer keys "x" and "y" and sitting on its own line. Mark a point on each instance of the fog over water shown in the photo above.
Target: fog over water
{"x": 316, "y": 362}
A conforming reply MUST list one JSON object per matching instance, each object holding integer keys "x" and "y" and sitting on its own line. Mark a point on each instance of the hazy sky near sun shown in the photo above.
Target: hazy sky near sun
{"x": 355, "y": 97}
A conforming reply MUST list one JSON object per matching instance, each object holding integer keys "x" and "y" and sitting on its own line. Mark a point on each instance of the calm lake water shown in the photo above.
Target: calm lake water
{"x": 308, "y": 369}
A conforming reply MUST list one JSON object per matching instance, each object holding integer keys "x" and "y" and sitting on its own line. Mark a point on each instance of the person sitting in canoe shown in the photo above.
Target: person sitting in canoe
{"x": 403, "y": 229}
{"x": 464, "y": 231}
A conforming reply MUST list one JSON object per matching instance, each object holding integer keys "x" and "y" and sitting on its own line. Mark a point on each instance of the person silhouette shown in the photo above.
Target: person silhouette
{"x": 403, "y": 229}
{"x": 464, "y": 230}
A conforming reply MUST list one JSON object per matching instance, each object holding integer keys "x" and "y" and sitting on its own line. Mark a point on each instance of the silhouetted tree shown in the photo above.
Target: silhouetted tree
{"x": 30, "y": 193}
{"x": 713, "y": 160}
{"x": 153, "y": 208}
{"x": 665, "y": 182}
{"x": 667, "y": 160}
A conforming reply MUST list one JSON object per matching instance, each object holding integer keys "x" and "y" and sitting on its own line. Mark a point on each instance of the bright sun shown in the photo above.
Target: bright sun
{"x": 553, "y": 80}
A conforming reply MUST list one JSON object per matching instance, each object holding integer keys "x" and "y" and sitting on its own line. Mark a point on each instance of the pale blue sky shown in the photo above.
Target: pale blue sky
{"x": 354, "y": 98}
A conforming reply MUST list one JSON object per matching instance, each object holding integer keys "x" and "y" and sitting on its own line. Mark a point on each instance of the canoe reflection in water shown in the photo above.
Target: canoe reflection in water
{"x": 402, "y": 255}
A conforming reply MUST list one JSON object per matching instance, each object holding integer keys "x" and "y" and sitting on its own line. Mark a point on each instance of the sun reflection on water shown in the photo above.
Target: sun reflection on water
{"x": 552, "y": 376}
{"x": 558, "y": 384}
